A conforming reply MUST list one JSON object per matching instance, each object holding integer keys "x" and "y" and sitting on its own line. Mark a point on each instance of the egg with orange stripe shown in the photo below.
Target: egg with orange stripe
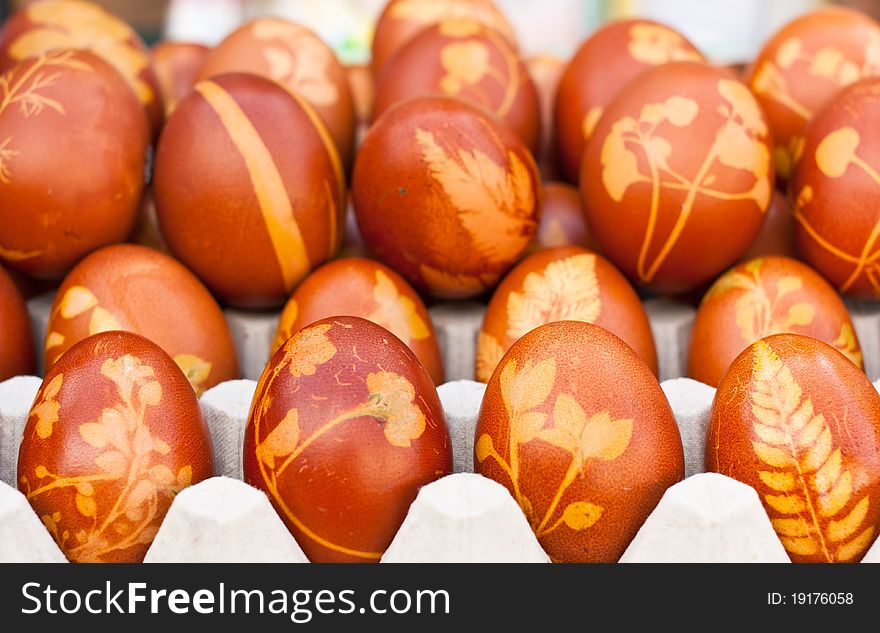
{"x": 248, "y": 188}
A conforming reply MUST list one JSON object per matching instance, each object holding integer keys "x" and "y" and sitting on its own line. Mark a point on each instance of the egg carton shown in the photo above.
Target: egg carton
{"x": 463, "y": 517}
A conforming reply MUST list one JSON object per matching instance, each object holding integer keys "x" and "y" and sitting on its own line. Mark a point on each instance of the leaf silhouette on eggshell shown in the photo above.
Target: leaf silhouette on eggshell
{"x": 489, "y": 354}
{"x": 396, "y": 312}
{"x": 836, "y": 151}
{"x": 281, "y": 441}
{"x": 308, "y": 349}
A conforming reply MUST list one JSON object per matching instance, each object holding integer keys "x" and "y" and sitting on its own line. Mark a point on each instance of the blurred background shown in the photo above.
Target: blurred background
{"x": 728, "y": 31}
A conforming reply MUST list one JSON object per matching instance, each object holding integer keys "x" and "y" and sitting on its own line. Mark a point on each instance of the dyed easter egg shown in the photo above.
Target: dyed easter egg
{"x": 446, "y": 195}
{"x": 16, "y": 342}
{"x": 804, "y": 65}
{"x": 465, "y": 59}
{"x": 360, "y": 80}
{"x": 776, "y": 236}
{"x": 364, "y": 288}
{"x": 546, "y": 72}
{"x": 562, "y": 218}
{"x": 54, "y": 25}
{"x": 114, "y": 434}
{"x": 137, "y": 289}
{"x": 344, "y": 429}
{"x": 575, "y": 425}
{"x": 299, "y": 60}
{"x": 797, "y": 421}
{"x": 562, "y": 284}
{"x": 401, "y": 20}
{"x": 146, "y": 229}
{"x": 760, "y": 297}
{"x": 835, "y": 189}
{"x": 608, "y": 60}
{"x": 177, "y": 65}
{"x": 72, "y": 159}
{"x": 241, "y": 204}
{"x": 678, "y": 176}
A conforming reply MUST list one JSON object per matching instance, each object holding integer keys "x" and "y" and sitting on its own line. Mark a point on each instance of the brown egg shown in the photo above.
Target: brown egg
{"x": 114, "y": 434}
{"x": 575, "y": 425}
{"x": 797, "y": 421}
{"x": 16, "y": 342}
{"x": 562, "y": 218}
{"x": 446, "y": 195}
{"x": 140, "y": 290}
{"x": 776, "y": 236}
{"x": 54, "y": 25}
{"x": 360, "y": 80}
{"x": 760, "y": 297}
{"x": 146, "y": 229}
{"x": 804, "y": 65}
{"x": 248, "y": 188}
{"x": 370, "y": 290}
{"x": 608, "y": 60}
{"x": 836, "y": 192}
{"x": 465, "y": 59}
{"x": 344, "y": 429}
{"x": 72, "y": 161}
{"x": 677, "y": 176}
{"x": 299, "y": 60}
{"x": 568, "y": 283}
{"x": 177, "y": 65}
{"x": 546, "y": 72}
{"x": 401, "y": 20}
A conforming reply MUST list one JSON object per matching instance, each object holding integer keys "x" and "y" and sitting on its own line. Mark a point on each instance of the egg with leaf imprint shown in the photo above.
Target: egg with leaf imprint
{"x": 577, "y": 428}
{"x": 16, "y": 343}
{"x": 344, "y": 429}
{"x": 137, "y": 289}
{"x": 804, "y": 65}
{"x": 800, "y": 423}
{"x": 52, "y": 25}
{"x": 568, "y": 283}
{"x": 446, "y": 195}
{"x": 365, "y": 288}
{"x": 678, "y": 176}
{"x": 764, "y": 296}
{"x": 835, "y": 190}
{"x": 608, "y": 60}
{"x": 115, "y": 432}
{"x": 468, "y": 60}
{"x": 73, "y": 146}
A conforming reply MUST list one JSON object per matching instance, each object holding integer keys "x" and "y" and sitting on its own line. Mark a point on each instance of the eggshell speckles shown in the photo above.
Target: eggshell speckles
{"x": 345, "y": 427}
{"x": 16, "y": 344}
{"x": 612, "y": 57}
{"x": 72, "y": 157}
{"x": 248, "y": 189}
{"x": 804, "y": 65}
{"x": 562, "y": 284}
{"x": 575, "y": 425}
{"x": 797, "y": 421}
{"x": 296, "y": 58}
{"x": 835, "y": 189}
{"x": 53, "y": 25}
{"x": 678, "y": 176}
{"x": 364, "y": 288}
{"x": 465, "y": 59}
{"x": 761, "y": 297}
{"x": 114, "y": 434}
{"x": 137, "y": 289}
{"x": 446, "y": 195}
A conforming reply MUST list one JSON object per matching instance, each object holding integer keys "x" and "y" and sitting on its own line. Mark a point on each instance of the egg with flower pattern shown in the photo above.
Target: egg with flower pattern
{"x": 562, "y": 284}
{"x": 468, "y": 60}
{"x": 140, "y": 290}
{"x": 53, "y": 25}
{"x": 608, "y": 60}
{"x": 800, "y": 423}
{"x": 365, "y": 288}
{"x": 678, "y": 176}
{"x": 446, "y": 195}
{"x": 16, "y": 344}
{"x": 804, "y": 65}
{"x": 344, "y": 429}
{"x": 577, "y": 428}
{"x": 764, "y": 296}
{"x": 115, "y": 432}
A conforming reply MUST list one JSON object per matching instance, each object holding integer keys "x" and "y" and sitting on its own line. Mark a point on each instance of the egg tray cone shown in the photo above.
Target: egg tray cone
{"x": 705, "y": 518}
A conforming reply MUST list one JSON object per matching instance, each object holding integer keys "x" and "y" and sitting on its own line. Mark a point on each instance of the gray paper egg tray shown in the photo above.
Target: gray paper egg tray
{"x": 460, "y": 518}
